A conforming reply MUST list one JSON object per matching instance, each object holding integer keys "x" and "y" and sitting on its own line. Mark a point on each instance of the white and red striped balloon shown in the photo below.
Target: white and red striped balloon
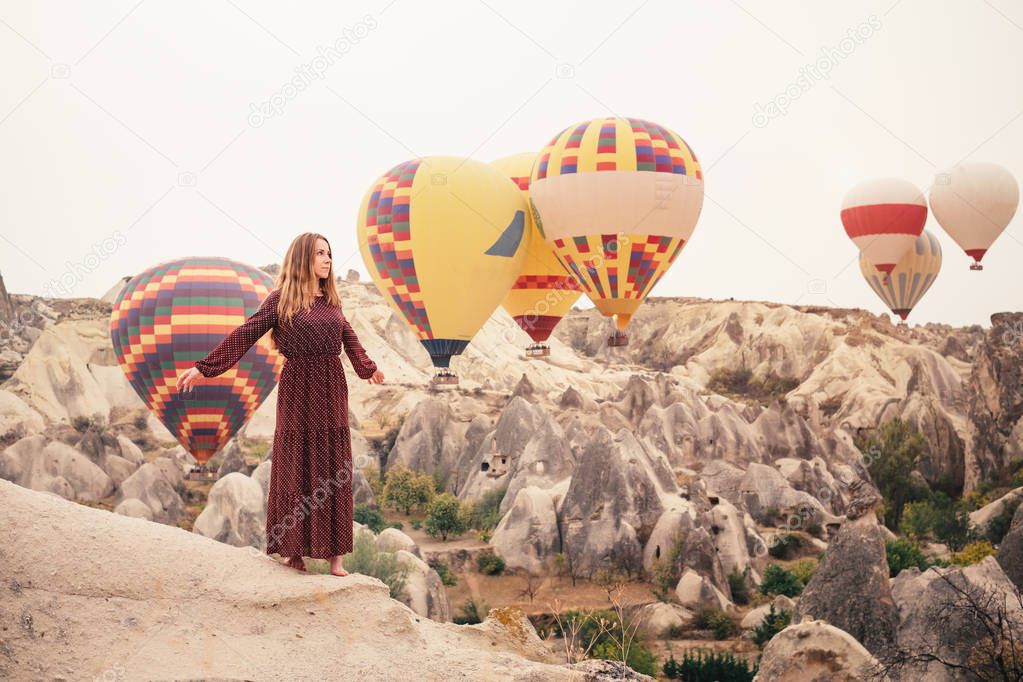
{"x": 884, "y": 217}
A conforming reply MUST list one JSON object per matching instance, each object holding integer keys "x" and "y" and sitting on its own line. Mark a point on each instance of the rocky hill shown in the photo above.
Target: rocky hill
{"x": 94, "y": 595}
{"x": 723, "y": 427}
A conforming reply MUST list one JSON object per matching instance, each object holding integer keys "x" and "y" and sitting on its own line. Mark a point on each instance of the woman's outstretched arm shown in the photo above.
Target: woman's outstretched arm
{"x": 234, "y": 345}
{"x": 364, "y": 367}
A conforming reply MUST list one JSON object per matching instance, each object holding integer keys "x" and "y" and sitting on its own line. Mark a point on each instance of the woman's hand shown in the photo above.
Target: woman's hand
{"x": 188, "y": 380}
{"x": 377, "y": 378}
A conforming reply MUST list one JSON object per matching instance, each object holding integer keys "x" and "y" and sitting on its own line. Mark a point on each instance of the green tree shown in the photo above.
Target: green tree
{"x": 773, "y": 623}
{"x": 778, "y": 580}
{"x": 445, "y": 517}
{"x": 406, "y": 490}
{"x": 904, "y": 554}
{"x": 892, "y": 451}
{"x": 738, "y": 583}
{"x": 698, "y": 665}
{"x": 998, "y": 527}
{"x": 939, "y": 517}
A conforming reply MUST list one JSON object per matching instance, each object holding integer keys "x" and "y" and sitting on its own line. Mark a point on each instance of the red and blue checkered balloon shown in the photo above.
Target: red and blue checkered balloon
{"x": 175, "y": 313}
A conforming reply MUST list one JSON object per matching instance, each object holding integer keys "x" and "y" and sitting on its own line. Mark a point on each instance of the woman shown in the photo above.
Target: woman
{"x": 309, "y": 509}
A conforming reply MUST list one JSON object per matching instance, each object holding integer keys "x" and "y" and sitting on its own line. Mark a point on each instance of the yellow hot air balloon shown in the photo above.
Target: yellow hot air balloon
{"x": 911, "y": 277}
{"x": 443, "y": 239}
{"x": 973, "y": 203}
{"x": 544, "y": 291}
{"x": 617, "y": 198}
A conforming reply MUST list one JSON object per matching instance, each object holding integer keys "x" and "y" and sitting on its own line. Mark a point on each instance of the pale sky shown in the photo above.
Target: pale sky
{"x": 128, "y": 134}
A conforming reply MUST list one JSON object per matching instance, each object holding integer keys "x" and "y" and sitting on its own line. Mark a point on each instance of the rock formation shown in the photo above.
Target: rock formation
{"x": 166, "y": 603}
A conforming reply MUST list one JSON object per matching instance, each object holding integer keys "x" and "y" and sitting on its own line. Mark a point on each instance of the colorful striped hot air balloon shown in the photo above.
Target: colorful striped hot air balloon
{"x": 911, "y": 277}
{"x": 544, "y": 291}
{"x": 973, "y": 203}
{"x": 173, "y": 314}
{"x": 884, "y": 217}
{"x": 443, "y": 239}
{"x": 617, "y": 198}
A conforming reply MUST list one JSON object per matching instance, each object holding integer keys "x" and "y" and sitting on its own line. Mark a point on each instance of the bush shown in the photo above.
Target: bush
{"x": 416, "y": 523}
{"x": 445, "y": 517}
{"x": 366, "y": 559}
{"x": 804, "y": 570}
{"x": 778, "y": 580}
{"x": 773, "y": 623}
{"x": 892, "y": 452}
{"x": 972, "y": 553}
{"x": 665, "y": 574}
{"x": 602, "y": 633}
{"x": 698, "y": 665}
{"x": 786, "y": 546}
{"x": 904, "y": 554}
{"x": 470, "y": 614}
{"x": 96, "y": 422}
{"x": 640, "y": 658}
{"x": 738, "y": 583}
{"x": 376, "y": 484}
{"x": 444, "y": 571}
{"x": 371, "y": 517}
{"x": 741, "y": 382}
{"x": 998, "y": 527}
{"x": 720, "y": 623}
{"x": 490, "y": 564}
{"x": 918, "y": 520}
{"x": 940, "y": 518}
{"x": 484, "y": 513}
{"x": 406, "y": 490}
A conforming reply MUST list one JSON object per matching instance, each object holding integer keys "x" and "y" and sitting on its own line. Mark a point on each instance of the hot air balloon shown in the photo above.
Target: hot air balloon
{"x": 617, "y": 198}
{"x": 911, "y": 277}
{"x": 973, "y": 203}
{"x": 173, "y": 314}
{"x": 443, "y": 239}
{"x": 544, "y": 290}
{"x": 884, "y": 217}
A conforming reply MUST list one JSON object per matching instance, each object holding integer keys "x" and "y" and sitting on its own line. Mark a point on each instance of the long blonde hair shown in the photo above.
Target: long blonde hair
{"x": 298, "y": 282}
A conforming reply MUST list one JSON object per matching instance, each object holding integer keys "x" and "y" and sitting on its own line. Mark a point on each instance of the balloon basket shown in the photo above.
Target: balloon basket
{"x": 538, "y": 350}
{"x": 618, "y": 339}
{"x": 444, "y": 378}
{"x": 976, "y": 266}
{"x": 201, "y": 473}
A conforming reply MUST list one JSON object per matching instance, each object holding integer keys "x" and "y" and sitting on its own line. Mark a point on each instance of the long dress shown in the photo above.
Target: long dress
{"x": 309, "y": 507}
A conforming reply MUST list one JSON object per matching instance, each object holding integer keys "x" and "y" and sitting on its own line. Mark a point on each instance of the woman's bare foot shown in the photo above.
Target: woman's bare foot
{"x": 296, "y": 562}
{"x": 336, "y": 568}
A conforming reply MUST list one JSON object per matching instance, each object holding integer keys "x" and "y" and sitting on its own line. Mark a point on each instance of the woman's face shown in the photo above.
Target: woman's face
{"x": 321, "y": 258}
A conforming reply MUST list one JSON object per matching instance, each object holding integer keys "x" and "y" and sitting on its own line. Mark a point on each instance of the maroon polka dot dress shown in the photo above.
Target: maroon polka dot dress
{"x": 309, "y": 510}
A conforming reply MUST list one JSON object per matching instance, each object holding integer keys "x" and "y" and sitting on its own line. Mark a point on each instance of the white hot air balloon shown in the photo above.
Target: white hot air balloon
{"x": 973, "y": 203}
